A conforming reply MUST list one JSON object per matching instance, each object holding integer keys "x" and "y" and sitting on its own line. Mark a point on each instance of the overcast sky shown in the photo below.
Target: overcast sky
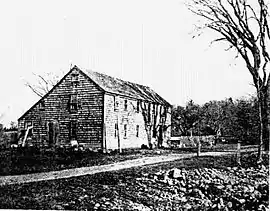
{"x": 143, "y": 41}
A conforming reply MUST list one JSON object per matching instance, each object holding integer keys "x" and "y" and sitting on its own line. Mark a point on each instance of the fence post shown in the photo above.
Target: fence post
{"x": 238, "y": 153}
{"x": 199, "y": 146}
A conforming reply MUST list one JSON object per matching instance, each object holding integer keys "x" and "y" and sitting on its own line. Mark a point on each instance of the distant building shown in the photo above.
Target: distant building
{"x": 99, "y": 112}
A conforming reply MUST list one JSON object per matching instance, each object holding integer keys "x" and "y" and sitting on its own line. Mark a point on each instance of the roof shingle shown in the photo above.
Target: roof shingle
{"x": 126, "y": 88}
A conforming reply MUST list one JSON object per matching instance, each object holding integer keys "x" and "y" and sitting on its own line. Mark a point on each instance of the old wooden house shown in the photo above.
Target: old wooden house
{"x": 99, "y": 112}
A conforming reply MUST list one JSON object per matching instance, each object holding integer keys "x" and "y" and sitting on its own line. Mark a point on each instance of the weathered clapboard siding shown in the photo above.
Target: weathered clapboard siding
{"x": 56, "y": 108}
{"x": 93, "y": 123}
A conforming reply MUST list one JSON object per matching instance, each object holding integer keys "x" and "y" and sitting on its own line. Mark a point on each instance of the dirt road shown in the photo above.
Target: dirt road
{"x": 67, "y": 173}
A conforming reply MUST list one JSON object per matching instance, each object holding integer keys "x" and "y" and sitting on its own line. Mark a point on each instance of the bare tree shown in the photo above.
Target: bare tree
{"x": 147, "y": 121}
{"x": 43, "y": 84}
{"x": 244, "y": 25}
{"x": 154, "y": 120}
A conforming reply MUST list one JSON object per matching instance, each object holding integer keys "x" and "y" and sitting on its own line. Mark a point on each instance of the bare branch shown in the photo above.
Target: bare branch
{"x": 35, "y": 90}
{"x": 244, "y": 24}
{"x": 43, "y": 83}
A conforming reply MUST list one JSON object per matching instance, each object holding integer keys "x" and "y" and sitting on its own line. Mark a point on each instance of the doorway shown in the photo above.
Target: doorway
{"x": 53, "y": 130}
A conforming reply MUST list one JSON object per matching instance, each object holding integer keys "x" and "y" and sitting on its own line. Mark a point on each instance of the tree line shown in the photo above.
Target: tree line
{"x": 244, "y": 26}
{"x": 234, "y": 119}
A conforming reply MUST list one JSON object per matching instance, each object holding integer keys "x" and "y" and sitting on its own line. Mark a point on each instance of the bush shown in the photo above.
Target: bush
{"x": 143, "y": 146}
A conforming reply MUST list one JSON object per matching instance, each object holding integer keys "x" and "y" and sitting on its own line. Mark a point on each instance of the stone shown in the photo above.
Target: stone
{"x": 229, "y": 204}
{"x": 245, "y": 189}
{"x": 187, "y": 206}
{"x": 97, "y": 205}
{"x": 182, "y": 183}
{"x": 182, "y": 189}
{"x": 220, "y": 187}
{"x": 183, "y": 199}
{"x": 57, "y": 207}
{"x": 242, "y": 201}
{"x": 170, "y": 182}
{"x": 197, "y": 193}
{"x": 175, "y": 173}
{"x": 263, "y": 167}
{"x": 221, "y": 202}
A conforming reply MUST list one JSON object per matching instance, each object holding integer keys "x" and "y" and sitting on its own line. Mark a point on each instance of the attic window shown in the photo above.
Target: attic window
{"x": 115, "y": 130}
{"x": 73, "y": 103}
{"x": 115, "y": 103}
{"x": 125, "y": 105}
{"x": 138, "y": 106}
{"x": 75, "y": 79}
{"x": 154, "y": 109}
{"x": 161, "y": 110}
{"x": 125, "y": 131}
{"x": 137, "y": 130}
{"x": 164, "y": 111}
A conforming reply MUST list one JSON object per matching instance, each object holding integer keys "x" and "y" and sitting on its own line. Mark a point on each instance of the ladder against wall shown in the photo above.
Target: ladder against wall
{"x": 26, "y": 135}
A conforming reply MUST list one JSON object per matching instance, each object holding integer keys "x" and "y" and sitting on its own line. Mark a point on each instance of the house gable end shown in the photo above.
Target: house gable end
{"x": 57, "y": 85}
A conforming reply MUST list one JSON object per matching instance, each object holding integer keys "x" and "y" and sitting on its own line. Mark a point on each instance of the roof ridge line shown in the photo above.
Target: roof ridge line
{"x": 117, "y": 78}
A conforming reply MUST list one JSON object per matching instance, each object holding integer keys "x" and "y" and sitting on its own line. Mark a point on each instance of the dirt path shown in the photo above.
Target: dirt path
{"x": 67, "y": 173}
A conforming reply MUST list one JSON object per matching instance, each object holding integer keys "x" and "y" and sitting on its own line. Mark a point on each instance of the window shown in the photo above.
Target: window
{"x": 75, "y": 79}
{"x": 138, "y": 106}
{"x": 161, "y": 110}
{"x": 73, "y": 103}
{"x": 28, "y": 124}
{"x": 164, "y": 111}
{"x": 137, "y": 130}
{"x": 149, "y": 111}
{"x": 115, "y": 130}
{"x": 154, "y": 109}
{"x": 73, "y": 129}
{"x": 125, "y": 105}
{"x": 115, "y": 103}
{"x": 125, "y": 131}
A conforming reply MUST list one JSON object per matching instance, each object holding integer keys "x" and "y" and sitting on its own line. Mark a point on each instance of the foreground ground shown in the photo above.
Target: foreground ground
{"x": 205, "y": 183}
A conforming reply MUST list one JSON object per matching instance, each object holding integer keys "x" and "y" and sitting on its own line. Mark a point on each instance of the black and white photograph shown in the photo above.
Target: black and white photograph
{"x": 135, "y": 105}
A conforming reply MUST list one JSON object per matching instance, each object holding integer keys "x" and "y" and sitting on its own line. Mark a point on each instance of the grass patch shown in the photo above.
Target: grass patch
{"x": 33, "y": 160}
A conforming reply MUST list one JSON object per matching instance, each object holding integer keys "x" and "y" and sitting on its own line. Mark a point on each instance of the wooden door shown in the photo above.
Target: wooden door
{"x": 53, "y": 132}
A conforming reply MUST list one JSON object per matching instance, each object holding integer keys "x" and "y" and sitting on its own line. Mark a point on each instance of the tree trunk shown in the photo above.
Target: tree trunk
{"x": 118, "y": 135}
{"x": 264, "y": 121}
{"x": 149, "y": 137}
{"x": 261, "y": 120}
{"x": 266, "y": 118}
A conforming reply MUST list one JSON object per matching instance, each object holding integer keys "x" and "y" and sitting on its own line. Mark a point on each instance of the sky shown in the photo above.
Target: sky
{"x": 143, "y": 41}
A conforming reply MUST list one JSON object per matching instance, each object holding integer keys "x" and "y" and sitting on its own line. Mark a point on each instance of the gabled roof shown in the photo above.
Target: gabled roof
{"x": 125, "y": 88}
{"x": 115, "y": 86}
